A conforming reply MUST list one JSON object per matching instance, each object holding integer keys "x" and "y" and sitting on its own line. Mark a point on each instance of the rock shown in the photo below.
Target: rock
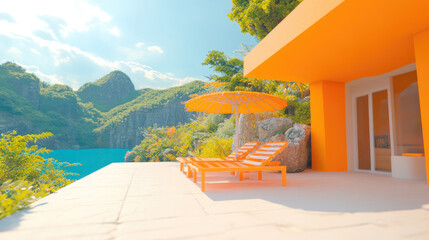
{"x": 190, "y": 154}
{"x": 271, "y": 127}
{"x": 166, "y": 154}
{"x": 297, "y": 153}
{"x": 168, "y": 151}
{"x": 247, "y": 127}
{"x": 306, "y": 99}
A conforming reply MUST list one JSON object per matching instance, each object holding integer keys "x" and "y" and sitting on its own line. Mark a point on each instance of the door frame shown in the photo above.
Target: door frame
{"x": 362, "y": 87}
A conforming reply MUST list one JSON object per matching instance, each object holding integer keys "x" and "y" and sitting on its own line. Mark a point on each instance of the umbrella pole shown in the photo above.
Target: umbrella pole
{"x": 237, "y": 138}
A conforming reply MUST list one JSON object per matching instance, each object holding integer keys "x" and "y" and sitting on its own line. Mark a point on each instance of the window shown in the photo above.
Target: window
{"x": 408, "y": 125}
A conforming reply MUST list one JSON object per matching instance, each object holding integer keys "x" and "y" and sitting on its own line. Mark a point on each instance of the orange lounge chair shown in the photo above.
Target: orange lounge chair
{"x": 258, "y": 161}
{"x": 243, "y": 151}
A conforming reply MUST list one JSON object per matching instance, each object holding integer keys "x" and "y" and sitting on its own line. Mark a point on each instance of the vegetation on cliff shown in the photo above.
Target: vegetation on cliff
{"x": 13, "y": 78}
{"x": 11, "y": 71}
{"x": 149, "y": 99}
{"x": 109, "y": 91}
{"x": 77, "y": 118}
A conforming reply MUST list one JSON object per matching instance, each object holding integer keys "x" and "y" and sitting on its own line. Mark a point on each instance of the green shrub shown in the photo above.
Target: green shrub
{"x": 25, "y": 175}
{"x": 16, "y": 195}
{"x": 212, "y": 121}
{"x": 216, "y": 147}
{"x": 226, "y": 129}
{"x": 302, "y": 113}
{"x": 196, "y": 138}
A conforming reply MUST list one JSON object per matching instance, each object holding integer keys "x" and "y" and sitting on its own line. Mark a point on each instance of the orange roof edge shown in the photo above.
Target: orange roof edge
{"x": 304, "y": 16}
{"x": 339, "y": 41}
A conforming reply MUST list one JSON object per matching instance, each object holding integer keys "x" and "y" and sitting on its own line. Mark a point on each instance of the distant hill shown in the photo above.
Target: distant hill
{"x": 106, "y": 113}
{"x": 109, "y": 91}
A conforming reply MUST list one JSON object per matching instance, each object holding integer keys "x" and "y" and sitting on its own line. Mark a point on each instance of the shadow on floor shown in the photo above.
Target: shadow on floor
{"x": 12, "y": 221}
{"x": 326, "y": 192}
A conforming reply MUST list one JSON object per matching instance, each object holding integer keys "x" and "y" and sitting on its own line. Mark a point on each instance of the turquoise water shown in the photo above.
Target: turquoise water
{"x": 91, "y": 159}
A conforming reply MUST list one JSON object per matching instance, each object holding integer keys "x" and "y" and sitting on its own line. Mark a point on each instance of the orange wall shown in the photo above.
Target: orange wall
{"x": 421, "y": 45}
{"x": 328, "y": 126}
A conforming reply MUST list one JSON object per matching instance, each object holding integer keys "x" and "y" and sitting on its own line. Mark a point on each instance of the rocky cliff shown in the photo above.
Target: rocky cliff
{"x": 128, "y": 134}
{"x": 122, "y": 125}
{"x": 106, "y": 113}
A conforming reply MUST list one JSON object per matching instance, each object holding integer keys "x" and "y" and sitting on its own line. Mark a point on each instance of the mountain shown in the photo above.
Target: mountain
{"x": 15, "y": 78}
{"x": 109, "y": 91}
{"x": 106, "y": 113}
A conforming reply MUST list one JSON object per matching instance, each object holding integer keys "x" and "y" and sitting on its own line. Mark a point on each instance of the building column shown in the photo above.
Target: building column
{"x": 421, "y": 48}
{"x": 328, "y": 126}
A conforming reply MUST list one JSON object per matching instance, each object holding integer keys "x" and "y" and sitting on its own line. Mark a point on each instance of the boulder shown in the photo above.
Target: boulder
{"x": 306, "y": 99}
{"x": 247, "y": 127}
{"x": 297, "y": 153}
{"x": 167, "y": 151}
{"x": 269, "y": 128}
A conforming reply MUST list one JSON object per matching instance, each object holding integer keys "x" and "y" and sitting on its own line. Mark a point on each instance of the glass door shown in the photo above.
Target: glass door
{"x": 381, "y": 126}
{"x": 364, "y": 147}
{"x": 373, "y": 132}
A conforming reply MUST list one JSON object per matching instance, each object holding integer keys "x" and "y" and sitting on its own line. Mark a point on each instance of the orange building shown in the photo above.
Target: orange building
{"x": 367, "y": 63}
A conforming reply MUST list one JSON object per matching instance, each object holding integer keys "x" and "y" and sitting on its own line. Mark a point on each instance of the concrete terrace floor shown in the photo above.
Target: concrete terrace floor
{"x": 156, "y": 201}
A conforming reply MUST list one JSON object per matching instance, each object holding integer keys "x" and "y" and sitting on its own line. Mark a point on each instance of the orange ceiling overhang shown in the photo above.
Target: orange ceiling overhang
{"x": 339, "y": 40}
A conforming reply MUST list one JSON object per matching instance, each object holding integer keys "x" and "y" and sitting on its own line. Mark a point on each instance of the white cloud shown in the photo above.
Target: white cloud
{"x": 131, "y": 54}
{"x": 35, "y": 51}
{"x": 72, "y": 16}
{"x": 156, "y": 49}
{"x": 63, "y": 53}
{"x": 66, "y": 17}
{"x": 14, "y": 51}
{"x": 115, "y": 31}
{"x": 51, "y": 79}
{"x": 152, "y": 75}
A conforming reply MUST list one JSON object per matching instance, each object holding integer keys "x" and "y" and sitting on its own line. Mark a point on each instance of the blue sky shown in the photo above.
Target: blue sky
{"x": 158, "y": 44}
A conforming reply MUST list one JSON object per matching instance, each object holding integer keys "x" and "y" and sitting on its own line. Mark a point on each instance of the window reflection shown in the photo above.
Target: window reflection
{"x": 409, "y": 137}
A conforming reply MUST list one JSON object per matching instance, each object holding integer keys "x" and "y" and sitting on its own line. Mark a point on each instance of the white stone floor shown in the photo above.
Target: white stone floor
{"x": 156, "y": 201}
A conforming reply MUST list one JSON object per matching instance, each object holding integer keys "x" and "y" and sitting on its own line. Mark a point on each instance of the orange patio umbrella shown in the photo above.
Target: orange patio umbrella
{"x": 237, "y": 103}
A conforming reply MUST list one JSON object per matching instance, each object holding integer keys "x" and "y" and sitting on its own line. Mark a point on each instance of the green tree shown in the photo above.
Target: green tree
{"x": 229, "y": 71}
{"x": 259, "y": 17}
{"x": 229, "y": 76}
